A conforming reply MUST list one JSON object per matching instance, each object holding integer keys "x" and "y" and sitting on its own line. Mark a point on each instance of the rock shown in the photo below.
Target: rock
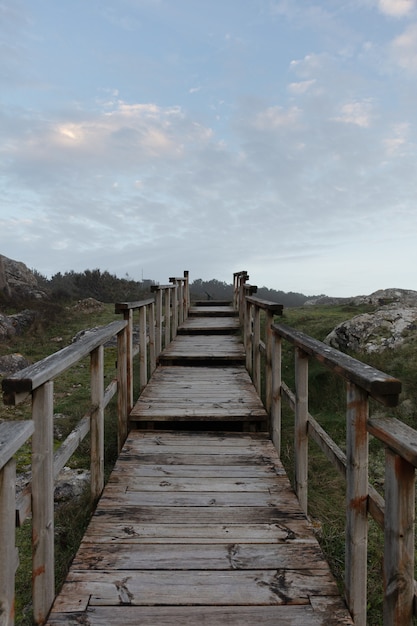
{"x": 70, "y": 484}
{"x": 12, "y": 363}
{"x": 11, "y": 325}
{"x": 17, "y": 282}
{"x": 88, "y": 305}
{"x": 387, "y": 327}
{"x": 377, "y": 298}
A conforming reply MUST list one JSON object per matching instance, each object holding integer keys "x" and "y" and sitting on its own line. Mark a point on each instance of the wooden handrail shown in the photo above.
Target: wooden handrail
{"x": 395, "y": 514}
{"x": 37, "y": 382}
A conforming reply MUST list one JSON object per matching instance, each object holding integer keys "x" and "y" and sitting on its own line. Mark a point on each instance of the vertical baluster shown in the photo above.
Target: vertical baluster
{"x": 97, "y": 422}
{"x": 276, "y": 392}
{"x": 301, "y": 424}
{"x": 143, "y": 357}
{"x": 399, "y": 540}
{"x": 356, "y": 502}
{"x": 8, "y": 552}
{"x": 256, "y": 352}
{"x": 152, "y": 353}
{"x": 167, "y": 316}
{"x": 122, "y": 389}
{"x": 43, "y": 576}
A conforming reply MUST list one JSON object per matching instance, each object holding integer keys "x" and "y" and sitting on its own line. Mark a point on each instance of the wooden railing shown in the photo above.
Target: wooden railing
{"x": 156, "y": 329}
{"x": 395, "y": 515}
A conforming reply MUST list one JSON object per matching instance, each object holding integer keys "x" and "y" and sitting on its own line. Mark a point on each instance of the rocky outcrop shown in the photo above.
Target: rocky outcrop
{"x": 386, "y": 328}
{"x": 11, "y": 325}
{"x": 12, "y": 363}
{"x": 17, "y": 282}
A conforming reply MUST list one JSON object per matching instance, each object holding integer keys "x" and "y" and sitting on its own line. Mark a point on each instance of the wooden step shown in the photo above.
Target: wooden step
{"x": 216, "y": 311}
{"x": 209, "y": 325}
{"x": 215, "y": 394}
{"x": 203, "y": 349}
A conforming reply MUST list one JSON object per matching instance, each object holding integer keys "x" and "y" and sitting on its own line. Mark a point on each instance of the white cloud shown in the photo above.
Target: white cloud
{"x": 404, "y": 48}
{"x": 396, "y": 144}
{"x": 276, "y": 117}
{"x": 396, "y": 8}
{"x": 357, "y": 113}
{"x": 301, "y": 87}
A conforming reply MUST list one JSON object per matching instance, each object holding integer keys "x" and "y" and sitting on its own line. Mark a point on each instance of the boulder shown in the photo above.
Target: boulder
{"x": 11, "y": 325}
{"x": 12, "y": 363}
{"x": 17, "y": 282}
{"x": 386, "y": 328}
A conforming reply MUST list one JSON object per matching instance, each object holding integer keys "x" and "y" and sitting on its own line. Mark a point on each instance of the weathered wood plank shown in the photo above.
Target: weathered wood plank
{"x": 190, "y": 616}
{"x": 143, "y": 588}
{"x": 105, "y": 529}
{"x": 231, "y": 556}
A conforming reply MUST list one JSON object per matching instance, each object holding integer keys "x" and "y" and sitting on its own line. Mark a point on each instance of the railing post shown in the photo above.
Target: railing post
{"x": 128, "y": 317}
{"x": 143, "y": 357}
{"x": 186, "y": 293}
{"x": 301, "y": 424}
{"x": 167, "y": 316}
{"x": 175, "y": 311}
{"x": 97, "y": 422}
{"x": 152, "y": 353}
{"x": 356, "y": 502}
{"x": 43, "y": 576}
{"x": 276, "y": 393}
{"x": 122, "y": 389}
{"x": 158, "y": 320}
{"x": 247, "y": 318}
{"x": 256, "y": 353}
{"x": 269, "y": 338}
{"x": 8, "y": 551}
{"x": 399, "y": 540}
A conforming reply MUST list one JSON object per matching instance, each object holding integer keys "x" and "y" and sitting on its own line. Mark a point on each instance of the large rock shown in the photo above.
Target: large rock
{"x": 377, "y": 298}
{"x": 387, "y": 327}
{"x": 16, "y": 324}
{"x": 17, "y": 282}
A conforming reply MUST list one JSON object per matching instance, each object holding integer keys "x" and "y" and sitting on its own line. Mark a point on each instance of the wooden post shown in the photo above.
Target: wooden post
{"x": 256, "y": 352}
{"x": 269, "y": 339}
{"x": 152, "y": 353}
{"x": 143, "y": 357}
{"x": 399, "y": 540}
{"x": 158, "y": 325}
{"x": 122, "y": 389}
{"x": 8, "y": 552}
{"x": 276, "y": 393}
{"x": 167, "y": 316}
{"x": 356, "y": 502}
{"x": 43, "y": 576}
{"x": 186, "y": 293}
{"x": 175, "y": 311}
{"x": 247, "y": 318}
{"x": 301, "y": 424}
{"x": 180, "y": 301}
{"x": 97, "y": 422}
{"x": 128, "y": 316}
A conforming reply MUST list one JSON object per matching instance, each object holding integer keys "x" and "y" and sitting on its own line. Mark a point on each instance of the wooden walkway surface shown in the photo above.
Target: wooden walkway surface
{"x": 199, "y": 528}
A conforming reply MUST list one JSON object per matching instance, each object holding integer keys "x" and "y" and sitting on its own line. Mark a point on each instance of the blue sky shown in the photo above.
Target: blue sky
{"x": 145, "y": 137}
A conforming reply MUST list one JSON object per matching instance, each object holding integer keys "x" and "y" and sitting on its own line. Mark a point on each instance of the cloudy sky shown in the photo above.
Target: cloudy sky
{"x": 145, "y": 137}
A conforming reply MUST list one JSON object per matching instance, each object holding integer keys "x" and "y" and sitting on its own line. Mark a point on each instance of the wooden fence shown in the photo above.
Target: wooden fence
{"x": 394, "y": 514}
{"x": 157, "y": 327}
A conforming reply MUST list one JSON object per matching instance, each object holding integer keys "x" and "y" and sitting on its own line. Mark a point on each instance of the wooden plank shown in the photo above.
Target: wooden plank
{"x": 104, "y": 529}
{"x": 143, "y": 588}
{"x": 12, "y": 436}
{"x": 190, "y": 616}
{"x": 203, "y": 471}
{"x": 182, "y": 556}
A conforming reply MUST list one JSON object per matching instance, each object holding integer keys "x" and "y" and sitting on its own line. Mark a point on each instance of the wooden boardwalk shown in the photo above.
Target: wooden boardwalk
{"x": 199, "y": 527}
